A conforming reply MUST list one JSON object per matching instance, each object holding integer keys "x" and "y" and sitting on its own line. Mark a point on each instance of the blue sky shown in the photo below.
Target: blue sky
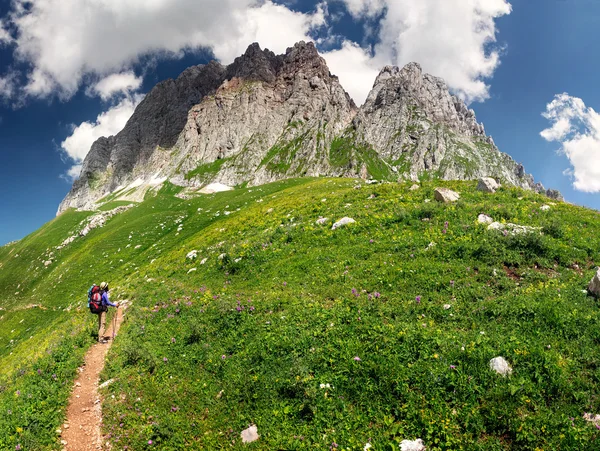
{"x": 55, "y": 74}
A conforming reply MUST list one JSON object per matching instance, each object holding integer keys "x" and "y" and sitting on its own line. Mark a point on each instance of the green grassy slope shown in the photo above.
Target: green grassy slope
{"x": 281, "y": 307}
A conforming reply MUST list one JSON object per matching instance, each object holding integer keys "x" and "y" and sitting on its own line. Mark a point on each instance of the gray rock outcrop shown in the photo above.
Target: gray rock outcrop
{"x": 594, "y": 286}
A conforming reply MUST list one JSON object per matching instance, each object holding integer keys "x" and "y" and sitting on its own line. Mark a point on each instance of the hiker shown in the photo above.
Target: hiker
{"x": 102, "y": 314}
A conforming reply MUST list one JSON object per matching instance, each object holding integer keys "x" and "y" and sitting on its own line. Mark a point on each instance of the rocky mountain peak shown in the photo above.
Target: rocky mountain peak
{"x": 255, "y": 64}
{"x": 266, "y": 117}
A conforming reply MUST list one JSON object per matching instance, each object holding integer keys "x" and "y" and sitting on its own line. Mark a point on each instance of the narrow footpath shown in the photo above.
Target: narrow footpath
{"x": 82, "y": 429}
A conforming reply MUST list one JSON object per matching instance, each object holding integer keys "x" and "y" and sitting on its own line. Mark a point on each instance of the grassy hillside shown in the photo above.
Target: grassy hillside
{"x": 372, "y": 333}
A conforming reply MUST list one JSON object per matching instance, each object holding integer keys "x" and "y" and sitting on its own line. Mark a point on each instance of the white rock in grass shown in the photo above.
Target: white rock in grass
{"x": 47, "y": 263}
{"x": 500, "y": 366}
{"x": 446, "y": 195}
{"x": 487, "y": 185}
{"x": 204, "y": 260}
{"x": 412, "y": 445}
{"x": 594, "y": 419}
{"x": 513, "y": 229}
{"x": 250, "y": 435}
{"x": 545, "y": 207}
{"x": 594, "y": 286}
{"x": 414, "y": 187}
{"x": 191, "y": 255}
{"x": 447, "y": 306}
{"x": 484, "y": 219}
{"x": 106, "y": 384}
{"x": 322, "y": 221}
{"x": 343, "y": 222}
{"x": 191, "y": 270}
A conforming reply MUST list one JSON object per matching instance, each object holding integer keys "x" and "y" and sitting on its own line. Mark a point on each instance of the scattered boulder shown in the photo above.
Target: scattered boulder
{"x": 250, "y": 435}
{"x": 487, "y": 185}
{"x": 484, "y": 219}
{"x": 512, "y": 229}
{"x": 204, "y": 260}
{"x": 343, "y": 222}
{"x": 415, "y": 187}
{"x": 594, "y": 419}
{"x": 322, "y": 221}
{"x": 594, "y": 286}
{"x": 191, "y": 270}
{"x": 446, "y": 195}
{"x": 106, "y": 384}
{"x": 500, "y": 366}
{"x": 412, "y": 445}
{"x": 191, "y": 255}
{"x": 47, "y": 263}
{"x": 545, "y": 207}
{"x": 222, "y": 256}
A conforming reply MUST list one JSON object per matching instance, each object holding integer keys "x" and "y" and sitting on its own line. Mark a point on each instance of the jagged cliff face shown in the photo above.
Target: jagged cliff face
{"x": 266, "y": 117}
{"x": 411, "y": 121}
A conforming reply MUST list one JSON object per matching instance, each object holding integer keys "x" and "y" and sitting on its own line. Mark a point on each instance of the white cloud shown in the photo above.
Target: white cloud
{"x": 77, "y": 145}
{"x": 6, "y": 86}
{"x": 360, "y": 8}
{"x": 449, "y": 38}
{"x": 123, "y": 83}
{"x": 355, "y": 68}
{"x": 66, "y": 40}
{"x": 577, "y": 128}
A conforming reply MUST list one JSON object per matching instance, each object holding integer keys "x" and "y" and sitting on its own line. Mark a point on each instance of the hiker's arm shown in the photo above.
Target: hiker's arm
{"x": 107, "y": 301}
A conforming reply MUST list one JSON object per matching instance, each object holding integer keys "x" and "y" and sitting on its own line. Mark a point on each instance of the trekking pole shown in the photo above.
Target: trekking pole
{"x": 115, "y": 323}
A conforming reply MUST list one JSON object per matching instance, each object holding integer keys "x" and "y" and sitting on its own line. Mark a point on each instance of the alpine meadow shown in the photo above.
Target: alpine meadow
{"x": 299, "y": 273}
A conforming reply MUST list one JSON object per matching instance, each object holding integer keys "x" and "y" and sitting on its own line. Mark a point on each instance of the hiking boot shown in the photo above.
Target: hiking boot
{"x": 103, "y": 341}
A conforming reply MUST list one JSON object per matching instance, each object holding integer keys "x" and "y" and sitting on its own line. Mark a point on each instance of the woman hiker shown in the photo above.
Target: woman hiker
{"x": 102, "y": 316}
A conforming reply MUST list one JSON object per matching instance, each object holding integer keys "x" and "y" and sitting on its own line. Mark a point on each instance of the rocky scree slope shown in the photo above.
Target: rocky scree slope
{"x": 268, "y": 117}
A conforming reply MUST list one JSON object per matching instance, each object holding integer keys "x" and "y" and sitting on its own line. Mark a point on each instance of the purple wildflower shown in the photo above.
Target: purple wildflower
{"x": 149, "y": 442}
{"x": 165, "y": 359}
{"x": 18, "y": 447}
{"x": 418, "y": 299}
{"x": 173, "y": 340}
{"x": 39, "y": 371}
{"x": 285, "y": 284}
{"x": 223, "y": 357}
{"x": 18, "y": 392}
{"x": 54, "y": 376}
{"x": 452, "y": 367}
{"x": 354, "y": 292}
{"x": 377, "y": 294}
{"x": 357, "y": 358}
{"x": 174, "y": 409}
{"x": 371, "y": 241}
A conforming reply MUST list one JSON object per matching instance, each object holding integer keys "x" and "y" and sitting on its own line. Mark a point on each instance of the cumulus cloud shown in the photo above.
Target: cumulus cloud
{"x": 577, "y": 128}
{"x": 7, "y": 86}
{"x": 449, "y": 38}
{"x": 63, "y": 41}
{"x": 123, "y": 83}
{"x": 77, "y": 145}
{"x": 355, "y": 68}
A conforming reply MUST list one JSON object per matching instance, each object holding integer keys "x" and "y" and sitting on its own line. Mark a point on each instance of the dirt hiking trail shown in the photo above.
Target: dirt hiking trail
{"x": 82, "y": 428}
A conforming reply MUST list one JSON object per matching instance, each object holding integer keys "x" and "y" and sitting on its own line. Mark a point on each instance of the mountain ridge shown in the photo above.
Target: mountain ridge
{"x": 267, "y": 117}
